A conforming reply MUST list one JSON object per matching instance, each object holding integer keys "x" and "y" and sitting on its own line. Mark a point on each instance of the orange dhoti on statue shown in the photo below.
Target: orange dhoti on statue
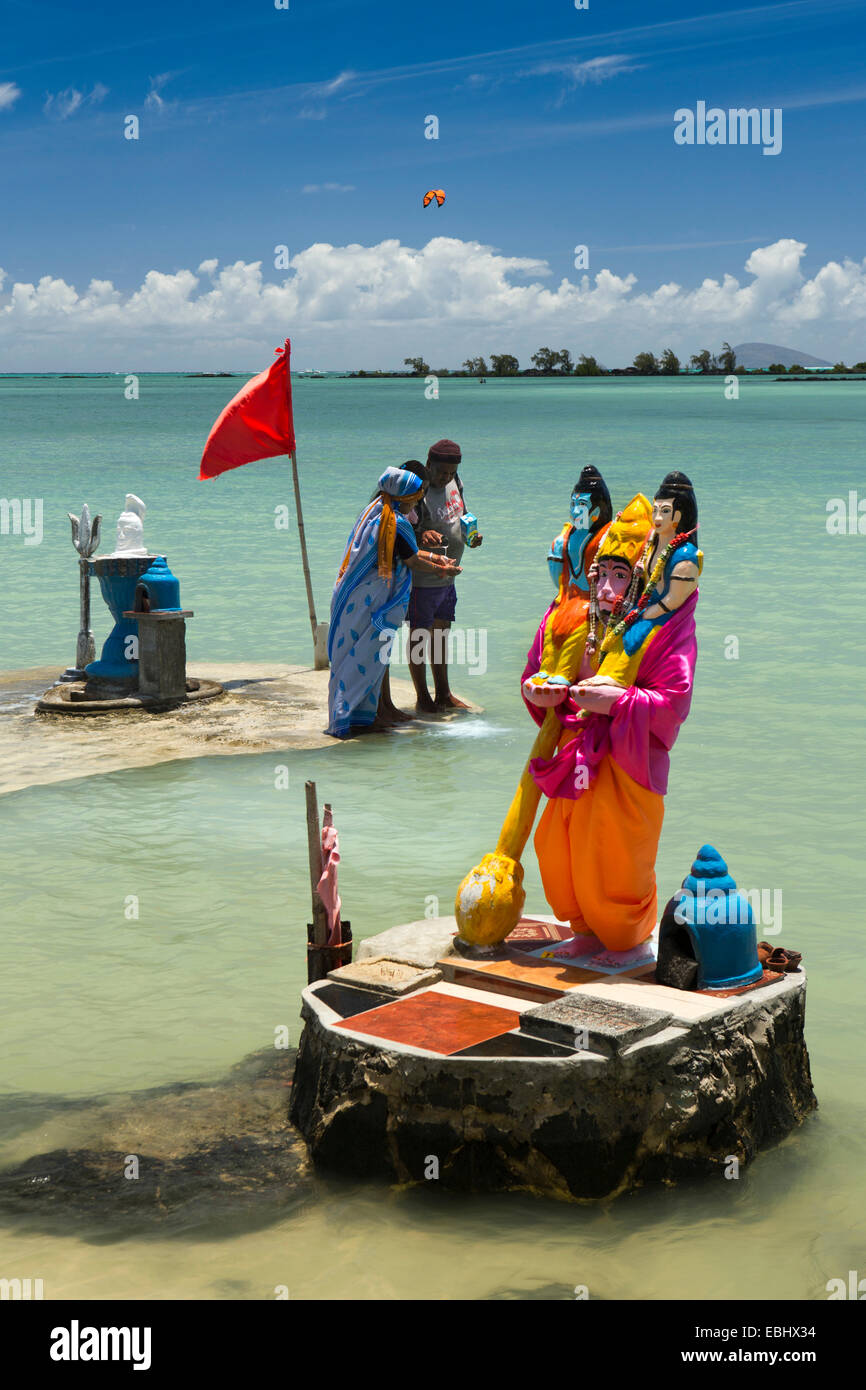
{"x": 597, "y": 857}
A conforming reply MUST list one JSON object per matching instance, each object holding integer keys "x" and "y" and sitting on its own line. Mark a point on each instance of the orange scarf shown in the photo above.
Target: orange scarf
{"x": 387, "y": 532}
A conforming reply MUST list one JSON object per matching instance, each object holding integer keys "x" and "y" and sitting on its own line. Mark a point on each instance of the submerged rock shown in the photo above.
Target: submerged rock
{"x": 213, "y": 1155}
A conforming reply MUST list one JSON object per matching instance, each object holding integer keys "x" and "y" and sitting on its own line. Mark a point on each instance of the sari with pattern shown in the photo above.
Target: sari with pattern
{"x": 368, "y": 605}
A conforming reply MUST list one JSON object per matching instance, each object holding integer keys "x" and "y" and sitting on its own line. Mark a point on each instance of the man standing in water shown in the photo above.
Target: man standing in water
{"x": 442, "y": 521}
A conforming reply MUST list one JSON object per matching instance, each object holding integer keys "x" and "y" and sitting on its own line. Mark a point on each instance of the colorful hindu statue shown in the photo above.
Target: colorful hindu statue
{"x": 664, "y": 577}
{"x": 569, "y": 623}
{"x": 597, "y": 839}
{"x": 601, "y": 755}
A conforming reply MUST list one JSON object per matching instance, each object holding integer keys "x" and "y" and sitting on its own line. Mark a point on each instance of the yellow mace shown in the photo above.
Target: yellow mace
{"x": 490, "y": 899}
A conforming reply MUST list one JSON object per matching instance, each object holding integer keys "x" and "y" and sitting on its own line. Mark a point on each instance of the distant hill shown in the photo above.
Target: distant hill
{"x": 754, "y": 355}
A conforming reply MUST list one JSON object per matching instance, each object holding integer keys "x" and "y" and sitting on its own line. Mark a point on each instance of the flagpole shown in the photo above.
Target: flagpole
{"x": 320, "y": 634}
{"x": 319, "y": 663}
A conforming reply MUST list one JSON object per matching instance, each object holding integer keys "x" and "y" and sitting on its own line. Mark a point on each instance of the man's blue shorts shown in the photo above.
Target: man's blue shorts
{"x": 427, "y": 606}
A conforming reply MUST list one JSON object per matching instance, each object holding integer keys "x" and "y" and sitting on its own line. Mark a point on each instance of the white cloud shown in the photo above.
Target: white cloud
{"x": 336, "y": 84}
{"x": 592, "y": 70}
{"x": 580, "y": 74}
{"x": 9, "y": 94}
{"x": 328, "y": 188}
{"x": 64, "y": 104}
{"x": 370, "y": 305}
{"x": 154, "y": 101}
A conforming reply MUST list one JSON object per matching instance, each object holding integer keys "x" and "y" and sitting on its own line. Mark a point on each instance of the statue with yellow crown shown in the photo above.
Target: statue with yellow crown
{"x": 601, "y": 756}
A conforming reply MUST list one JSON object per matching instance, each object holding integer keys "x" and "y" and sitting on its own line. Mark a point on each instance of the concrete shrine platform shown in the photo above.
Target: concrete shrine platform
{"x": 263, "y": 708}
{"x": 511, "y": 1070}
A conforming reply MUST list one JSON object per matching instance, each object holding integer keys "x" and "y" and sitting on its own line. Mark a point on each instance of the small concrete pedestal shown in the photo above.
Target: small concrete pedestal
{"x": 162, "y": 653}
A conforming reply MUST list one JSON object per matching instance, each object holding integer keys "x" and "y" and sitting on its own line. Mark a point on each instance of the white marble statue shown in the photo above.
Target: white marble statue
{"x": 130, "y": 528}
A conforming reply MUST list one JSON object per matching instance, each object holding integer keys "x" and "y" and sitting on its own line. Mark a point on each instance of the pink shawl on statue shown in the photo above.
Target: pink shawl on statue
{"x": 643, "y": 724}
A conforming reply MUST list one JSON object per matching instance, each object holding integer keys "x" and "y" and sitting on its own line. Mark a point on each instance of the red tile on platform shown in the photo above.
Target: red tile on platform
{"x": 442, "y": 1023}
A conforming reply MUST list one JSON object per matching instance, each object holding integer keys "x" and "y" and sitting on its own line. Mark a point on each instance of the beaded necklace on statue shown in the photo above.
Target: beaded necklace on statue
{"x": 592, "y": 636}
{"x": 635, "y": 612}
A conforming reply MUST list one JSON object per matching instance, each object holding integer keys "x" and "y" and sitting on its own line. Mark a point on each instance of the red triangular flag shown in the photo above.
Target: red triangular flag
{"x": 256, "y": 424}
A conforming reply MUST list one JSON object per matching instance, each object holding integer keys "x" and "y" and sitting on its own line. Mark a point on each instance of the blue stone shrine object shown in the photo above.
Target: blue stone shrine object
{"x": 707, "y": 936}
{"x": 158, "y": 591}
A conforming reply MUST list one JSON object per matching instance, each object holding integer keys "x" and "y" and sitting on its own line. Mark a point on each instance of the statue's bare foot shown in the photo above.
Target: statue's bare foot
{"x": 580, "y": 945}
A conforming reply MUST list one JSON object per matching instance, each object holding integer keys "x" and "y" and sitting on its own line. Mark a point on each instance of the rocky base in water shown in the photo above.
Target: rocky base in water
{"x": 582, "y": 1128}
{"x": 208, "y": 1155}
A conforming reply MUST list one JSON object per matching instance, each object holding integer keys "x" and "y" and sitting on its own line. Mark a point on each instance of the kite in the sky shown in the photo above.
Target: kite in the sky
{"x": 437, "y": 193}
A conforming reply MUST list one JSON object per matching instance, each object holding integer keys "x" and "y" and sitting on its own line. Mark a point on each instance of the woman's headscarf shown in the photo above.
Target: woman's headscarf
{"x": 394, "y": 483}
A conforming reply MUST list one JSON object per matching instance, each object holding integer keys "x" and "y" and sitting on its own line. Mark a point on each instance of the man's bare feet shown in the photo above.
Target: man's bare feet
{"x": 424, "y": 705}
{"x": 448, "y": 702}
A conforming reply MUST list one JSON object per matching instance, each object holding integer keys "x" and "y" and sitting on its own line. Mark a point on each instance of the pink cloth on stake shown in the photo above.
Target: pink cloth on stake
{"x": 643, "y": 724}
{"x": 327, "y": 884}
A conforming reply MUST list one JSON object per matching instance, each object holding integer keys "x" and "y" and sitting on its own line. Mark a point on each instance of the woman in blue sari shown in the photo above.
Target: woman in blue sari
{"x": 369, "y": 604}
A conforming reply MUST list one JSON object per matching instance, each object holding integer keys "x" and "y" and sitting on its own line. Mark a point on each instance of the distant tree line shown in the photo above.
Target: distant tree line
{"x": 549, "y": 362}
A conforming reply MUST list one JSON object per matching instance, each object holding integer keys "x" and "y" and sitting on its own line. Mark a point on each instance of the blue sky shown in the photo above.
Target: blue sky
{"x": 556, "y": 128}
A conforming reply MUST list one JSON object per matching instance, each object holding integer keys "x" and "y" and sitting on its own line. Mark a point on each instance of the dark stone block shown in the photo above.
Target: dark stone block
{"x": 607, "y": 1026}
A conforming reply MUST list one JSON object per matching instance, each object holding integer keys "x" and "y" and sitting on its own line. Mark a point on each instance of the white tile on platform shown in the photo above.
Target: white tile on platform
{"x": 683, "y": 1004}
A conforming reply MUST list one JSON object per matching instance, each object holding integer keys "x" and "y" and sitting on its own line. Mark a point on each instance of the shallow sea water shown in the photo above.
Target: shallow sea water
{"x": 769, "y": 768}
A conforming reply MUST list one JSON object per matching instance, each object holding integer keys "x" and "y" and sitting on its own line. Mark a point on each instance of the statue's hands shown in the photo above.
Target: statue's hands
{"x": 595, "y": 698}
{"x": 542, "y": 694}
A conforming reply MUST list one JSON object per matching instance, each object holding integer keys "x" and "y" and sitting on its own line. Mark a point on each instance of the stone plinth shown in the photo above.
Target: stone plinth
{"x": 162, "y": 653}
{"x": 518, "y": 1112}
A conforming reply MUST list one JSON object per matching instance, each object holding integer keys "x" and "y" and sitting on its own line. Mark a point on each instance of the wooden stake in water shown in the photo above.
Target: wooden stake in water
{"x": 317, "y": 966}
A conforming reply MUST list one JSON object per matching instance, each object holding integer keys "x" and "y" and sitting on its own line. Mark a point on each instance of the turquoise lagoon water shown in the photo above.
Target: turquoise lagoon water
{"x": 769, "y": 768}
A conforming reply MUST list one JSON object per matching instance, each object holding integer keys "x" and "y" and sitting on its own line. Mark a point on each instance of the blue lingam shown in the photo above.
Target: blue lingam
{"x": 710, "y": 922}
{"x": 158, "y": 590}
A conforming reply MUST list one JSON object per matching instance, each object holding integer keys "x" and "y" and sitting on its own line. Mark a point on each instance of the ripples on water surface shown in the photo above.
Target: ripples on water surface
{"x": 769, "y": 767}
